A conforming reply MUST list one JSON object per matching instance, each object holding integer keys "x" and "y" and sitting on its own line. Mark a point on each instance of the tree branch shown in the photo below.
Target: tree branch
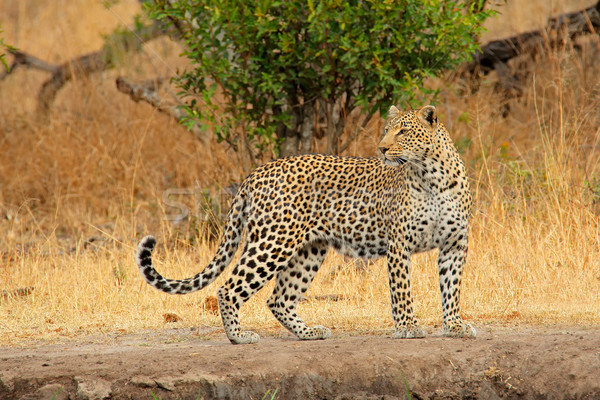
{"x": 98, "y": 61}
{"x": 148, "y": 92}
{"x": 82, "y": 66}
{"x": 558, "y": 30}
{"x": 27, "y": 60}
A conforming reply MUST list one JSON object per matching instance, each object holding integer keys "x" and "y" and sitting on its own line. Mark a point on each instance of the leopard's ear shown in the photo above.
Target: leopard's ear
{"x": 393, "y": 112}
{"x": 428, "y": 116}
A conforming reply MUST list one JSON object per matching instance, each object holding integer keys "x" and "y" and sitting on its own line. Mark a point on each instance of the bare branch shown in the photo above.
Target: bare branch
{"x": 81, "y": 66}
{"x": 98, "y": 61}
{"x": 148, "y": 92}
{"x": 27, "y": 60}
{"x": 20, "y": 292}
{"x": 558, "y": 30}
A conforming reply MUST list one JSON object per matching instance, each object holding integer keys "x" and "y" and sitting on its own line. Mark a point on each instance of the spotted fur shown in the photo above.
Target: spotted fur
{"x": 412, "y": 199}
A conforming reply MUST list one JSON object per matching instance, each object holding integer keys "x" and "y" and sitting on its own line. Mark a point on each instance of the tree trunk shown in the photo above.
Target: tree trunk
{"x": 289, "y": 145}
{"x": 334, "y": 127}
{"x": 289, "y": 135}
{"x": 307, "y": 128}
{"x": 297, "y": 138}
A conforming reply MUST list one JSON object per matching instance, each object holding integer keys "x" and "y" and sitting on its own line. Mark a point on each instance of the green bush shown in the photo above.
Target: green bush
{"x": 264, "y": 71}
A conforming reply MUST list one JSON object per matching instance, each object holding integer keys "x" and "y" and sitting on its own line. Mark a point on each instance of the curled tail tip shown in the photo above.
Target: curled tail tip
{"x": 144, "y": 253}
{"x": 148, "y": 242}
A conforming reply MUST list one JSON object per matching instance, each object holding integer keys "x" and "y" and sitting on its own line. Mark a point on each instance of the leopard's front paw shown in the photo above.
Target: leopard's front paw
{"x": 410, "y": 331}
{"x": 459, "y": 329}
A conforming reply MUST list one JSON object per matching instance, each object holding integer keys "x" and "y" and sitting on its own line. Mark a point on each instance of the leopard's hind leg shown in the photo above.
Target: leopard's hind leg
{"x": 253, "y": 270}
{"x": 292, "y": 282}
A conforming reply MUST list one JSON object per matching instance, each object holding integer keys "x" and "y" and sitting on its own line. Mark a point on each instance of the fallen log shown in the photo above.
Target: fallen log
{"x": 81, "y": 66}
{"x": 558, "y": 32}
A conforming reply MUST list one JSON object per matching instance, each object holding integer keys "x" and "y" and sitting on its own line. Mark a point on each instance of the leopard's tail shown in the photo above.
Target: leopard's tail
{"x": 229, "y": 242}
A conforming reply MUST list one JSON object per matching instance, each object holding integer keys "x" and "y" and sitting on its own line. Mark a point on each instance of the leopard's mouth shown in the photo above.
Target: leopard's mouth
{"x": 394, "y": 162}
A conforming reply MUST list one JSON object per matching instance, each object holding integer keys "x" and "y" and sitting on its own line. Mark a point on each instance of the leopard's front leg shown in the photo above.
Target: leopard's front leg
{"x": 405, "y": 323}
{"x": 450, "y": 263}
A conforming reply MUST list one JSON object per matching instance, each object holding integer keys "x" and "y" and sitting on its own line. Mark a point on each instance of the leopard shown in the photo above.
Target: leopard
{"x": 412, "y": 197}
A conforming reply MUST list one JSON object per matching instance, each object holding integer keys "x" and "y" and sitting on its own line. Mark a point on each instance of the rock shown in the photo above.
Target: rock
{"x": 142, "y": 381}
{"x": 92, "y": 389}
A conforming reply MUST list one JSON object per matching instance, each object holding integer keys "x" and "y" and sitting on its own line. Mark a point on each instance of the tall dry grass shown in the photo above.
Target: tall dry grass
{"x": 77, "y": 192}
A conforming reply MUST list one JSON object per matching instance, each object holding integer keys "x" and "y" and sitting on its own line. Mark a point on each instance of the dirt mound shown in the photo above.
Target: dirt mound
{"x": 179, "y": 364}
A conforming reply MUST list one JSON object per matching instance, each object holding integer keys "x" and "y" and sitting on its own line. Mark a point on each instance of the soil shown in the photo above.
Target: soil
{"x": 535, "y": 363}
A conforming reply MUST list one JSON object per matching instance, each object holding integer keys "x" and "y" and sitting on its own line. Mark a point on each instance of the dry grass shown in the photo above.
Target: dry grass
{"x": 99, "y": 168}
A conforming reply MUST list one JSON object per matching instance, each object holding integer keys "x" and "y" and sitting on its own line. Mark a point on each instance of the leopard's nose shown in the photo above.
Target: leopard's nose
{"x": 383, "y": 149}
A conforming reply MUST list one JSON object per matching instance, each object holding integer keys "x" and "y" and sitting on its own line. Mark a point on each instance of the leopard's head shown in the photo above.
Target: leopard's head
{"x": 408, "y": 136}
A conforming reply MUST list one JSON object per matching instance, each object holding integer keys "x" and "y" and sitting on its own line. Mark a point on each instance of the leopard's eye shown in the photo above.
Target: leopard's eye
{"x": 402, "y": 131}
